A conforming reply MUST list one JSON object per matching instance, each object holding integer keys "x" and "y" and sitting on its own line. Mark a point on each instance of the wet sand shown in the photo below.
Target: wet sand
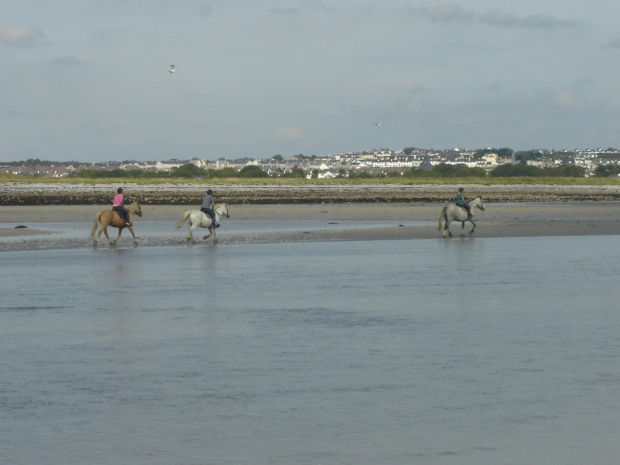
{"x": 499, "y": 220}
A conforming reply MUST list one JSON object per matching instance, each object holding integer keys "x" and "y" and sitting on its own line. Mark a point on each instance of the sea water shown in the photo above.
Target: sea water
{"x": 475, "y": 351}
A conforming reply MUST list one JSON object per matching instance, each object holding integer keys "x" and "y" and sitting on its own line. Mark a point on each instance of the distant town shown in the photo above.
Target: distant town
{"x": 371, "y": 163}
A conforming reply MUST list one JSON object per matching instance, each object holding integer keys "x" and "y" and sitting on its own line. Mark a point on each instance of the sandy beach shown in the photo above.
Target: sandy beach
{"x": 498, "y": 220}
{"x": 511, "y": 210}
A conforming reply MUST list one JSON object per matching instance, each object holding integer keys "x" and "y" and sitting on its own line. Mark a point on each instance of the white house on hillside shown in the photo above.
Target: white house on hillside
{"x": 170, "y": 164}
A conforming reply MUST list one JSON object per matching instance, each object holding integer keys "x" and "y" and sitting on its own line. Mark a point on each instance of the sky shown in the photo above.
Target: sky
{"x": 88, "y": 80}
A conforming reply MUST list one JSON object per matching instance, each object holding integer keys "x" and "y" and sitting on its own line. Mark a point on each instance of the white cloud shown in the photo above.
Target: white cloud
{"x": 21, "y": 37}
{"x": 287, "y": 134}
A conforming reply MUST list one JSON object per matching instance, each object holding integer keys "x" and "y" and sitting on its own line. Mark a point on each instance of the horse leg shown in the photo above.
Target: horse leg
{"x": 135, "y": 239}
{"x": 96, "y": 238}
{"x": 190, "y": 236}
{"x": 214, "y": 236}
{"x": 210, "y": 228}
{"x": 474, "y": 226}
{"x": 446, "y": 230}
{"x": 105, "y": 231}
{"x": 120, "y": 231}
{"x": 462, "y": 228}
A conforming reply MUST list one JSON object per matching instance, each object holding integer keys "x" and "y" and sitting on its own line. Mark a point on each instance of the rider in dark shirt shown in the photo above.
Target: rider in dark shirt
{"x": 461, "y": 201}
{"x": 207, "y": 207}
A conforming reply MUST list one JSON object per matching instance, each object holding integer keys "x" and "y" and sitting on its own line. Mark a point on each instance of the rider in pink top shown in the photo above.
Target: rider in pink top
{"x": 117, "y": 205}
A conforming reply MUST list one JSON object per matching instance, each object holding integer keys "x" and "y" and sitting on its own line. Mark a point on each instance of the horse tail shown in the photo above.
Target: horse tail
{"x": 92, "y": 233}
{"x": 184, "y": 219}
{"x": 443, "y": 214}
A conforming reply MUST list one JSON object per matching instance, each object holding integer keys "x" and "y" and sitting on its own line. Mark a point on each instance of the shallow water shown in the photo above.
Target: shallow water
{"x": 483, "y": 351}
{"x": 76, "y": 235}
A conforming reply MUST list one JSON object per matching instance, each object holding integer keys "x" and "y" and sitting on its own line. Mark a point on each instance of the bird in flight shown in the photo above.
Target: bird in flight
{"x": 172, "y": 69}
{"x": 378, "y": 124}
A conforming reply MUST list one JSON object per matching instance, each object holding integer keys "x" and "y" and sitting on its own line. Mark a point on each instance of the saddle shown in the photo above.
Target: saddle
{"x": 469, "y": 215}
{"x": 119, "y": 214}
{"x": 212, "y": 219}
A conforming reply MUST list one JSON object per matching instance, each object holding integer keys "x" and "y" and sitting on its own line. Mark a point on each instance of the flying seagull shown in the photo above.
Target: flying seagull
{"x": 172, "y": 69}
{"x": 377, "y": 124}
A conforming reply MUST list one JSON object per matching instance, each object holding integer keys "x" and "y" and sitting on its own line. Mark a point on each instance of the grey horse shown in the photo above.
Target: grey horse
{"x": 455, "y": 213}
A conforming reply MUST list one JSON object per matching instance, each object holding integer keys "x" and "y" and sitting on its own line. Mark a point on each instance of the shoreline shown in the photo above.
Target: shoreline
{"x": 538, "y": 219}
{"x": 16, "y": 194}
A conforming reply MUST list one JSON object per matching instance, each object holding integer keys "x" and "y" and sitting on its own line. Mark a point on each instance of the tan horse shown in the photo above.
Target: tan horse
{"x": 115, "y": 219}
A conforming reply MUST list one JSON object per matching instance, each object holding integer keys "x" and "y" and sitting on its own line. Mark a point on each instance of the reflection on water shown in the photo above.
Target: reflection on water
{"x": 428, "y": 351}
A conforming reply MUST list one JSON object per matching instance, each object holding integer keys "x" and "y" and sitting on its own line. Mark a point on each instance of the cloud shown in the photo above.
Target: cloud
{"x": 206, "y": 10}
{"x": 285, "y": 11}
{"x": 20, "y": 37}
{"x": 614, "y": 43}
{"x": 499, "y": 18}
{"x": 69, "y": 60}
{"x": 570, "y": 100}
{"x": 287, "y": 134}
{"x": 453, "y": 13}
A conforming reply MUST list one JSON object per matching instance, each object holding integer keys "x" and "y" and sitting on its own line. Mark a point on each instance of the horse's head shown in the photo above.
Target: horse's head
{"x": 223, "y": 210}
{"x": 138, "y": 210}
{"x": 479, "y": 204}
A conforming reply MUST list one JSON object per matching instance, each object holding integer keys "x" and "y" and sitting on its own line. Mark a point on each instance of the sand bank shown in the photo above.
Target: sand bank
{"x": 499, "y": 220}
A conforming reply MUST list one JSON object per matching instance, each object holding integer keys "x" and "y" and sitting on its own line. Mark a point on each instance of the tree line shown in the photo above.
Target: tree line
{"x": 443, "y": 170}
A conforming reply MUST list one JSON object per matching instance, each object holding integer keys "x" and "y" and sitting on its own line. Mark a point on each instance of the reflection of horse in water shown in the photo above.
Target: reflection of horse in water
{"x": 197, "y": 218}
{"x": 455, "y": 213}
{"x": 116, "y": 220}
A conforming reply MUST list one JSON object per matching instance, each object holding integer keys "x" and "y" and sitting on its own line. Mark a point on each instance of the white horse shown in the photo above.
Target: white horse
{"x": 455, "y": 213}
{"x": 198, "y": 218}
